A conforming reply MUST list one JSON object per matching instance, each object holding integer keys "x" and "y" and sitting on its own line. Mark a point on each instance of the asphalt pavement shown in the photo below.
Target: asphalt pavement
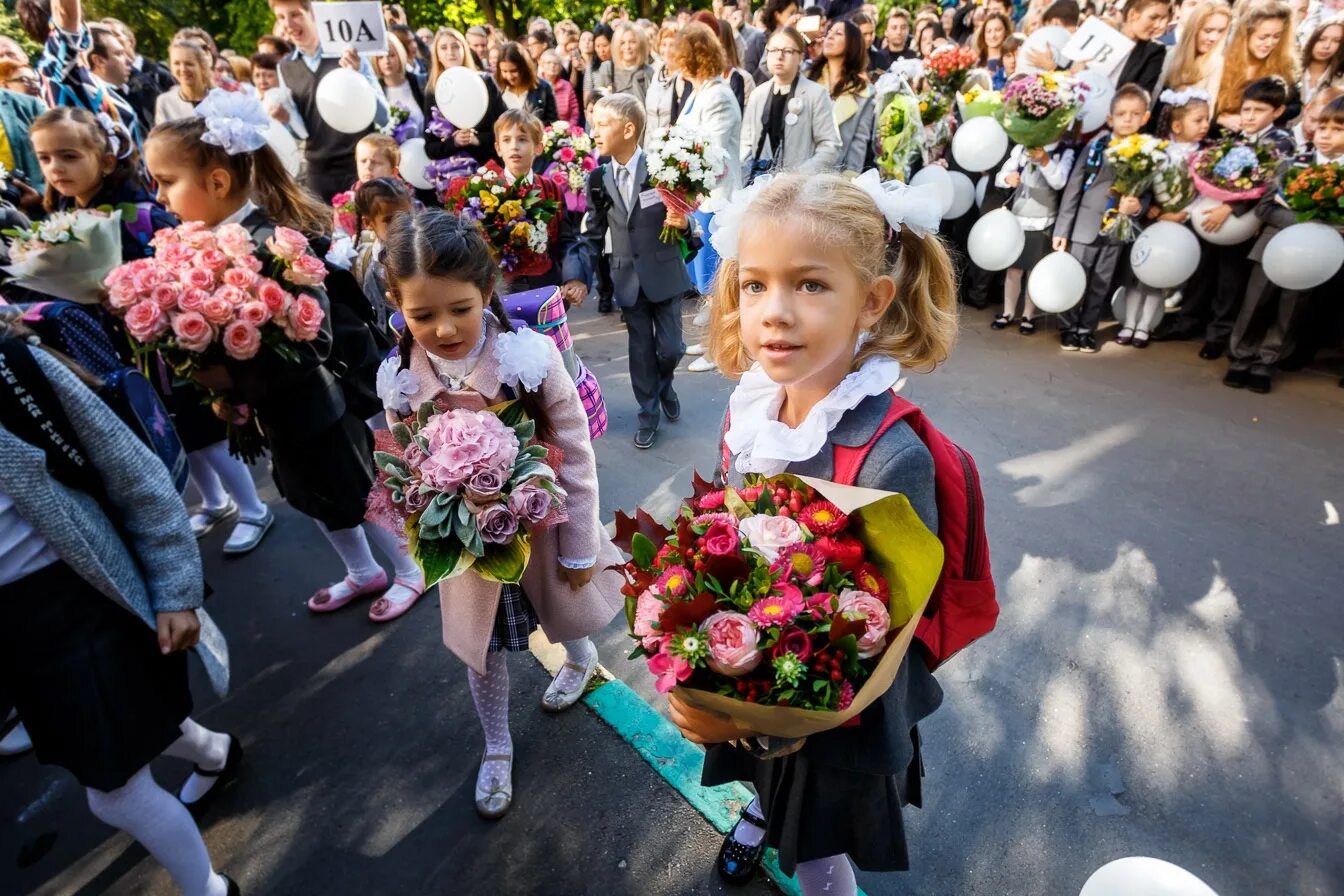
{"x": 1167, "y": 677}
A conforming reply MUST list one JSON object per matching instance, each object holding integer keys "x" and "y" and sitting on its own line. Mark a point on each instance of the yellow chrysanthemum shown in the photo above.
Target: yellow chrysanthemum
{"x": 511, "y": 209}
{"x": 488, "y": 201}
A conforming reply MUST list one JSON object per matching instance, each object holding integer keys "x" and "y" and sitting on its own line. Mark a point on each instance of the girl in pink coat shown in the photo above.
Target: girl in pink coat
{"x": 459, "y": 345}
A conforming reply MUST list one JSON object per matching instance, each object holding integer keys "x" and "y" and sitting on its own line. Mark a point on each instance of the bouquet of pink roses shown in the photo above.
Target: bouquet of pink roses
{"x": 776, "y": 606}
{"x": 572, "y": 156}
{"x": 467, "y": 488}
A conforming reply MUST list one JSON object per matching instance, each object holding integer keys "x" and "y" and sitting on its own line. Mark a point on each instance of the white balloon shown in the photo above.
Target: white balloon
{"x": 963, "y": 195}
{"x": 346, "y": 101}
{"x": 414, "y": 162}
{"x": 937, "y": 176}
{"x": 1303, "y": 256}
{"x": 1100, "y": 92}
{"x": 1142, "y": 876}
{"x": 1236, "y": 229}
{"x": 1052, "y": 38}
{"x": 996, "y": 240}
{"x": 979, "y": 144}
{"x": 980, "y": 189}
{"x": 1057, "y": 283}
{"x": 285, "y": 146}
{"x": 461, "y": 96}
{"x": 1165, "y": 255}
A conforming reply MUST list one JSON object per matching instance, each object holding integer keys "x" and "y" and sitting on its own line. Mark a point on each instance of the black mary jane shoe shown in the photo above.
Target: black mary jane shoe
{"x": 223, "y": 776}
{"x": 1001, "y": 322}
{"x": 737, "y": 862}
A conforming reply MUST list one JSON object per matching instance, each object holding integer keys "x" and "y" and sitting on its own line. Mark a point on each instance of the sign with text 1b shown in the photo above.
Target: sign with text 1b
{"x": 358, "y": 25}
{"x": 1099, "y": 45}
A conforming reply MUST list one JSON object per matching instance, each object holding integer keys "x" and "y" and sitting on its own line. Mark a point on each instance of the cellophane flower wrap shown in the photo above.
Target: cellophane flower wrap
{"x": 468, "y": 488}
{"x": 515, "y": 219}
{"x": 775, "y": 605}
{"x": 684, "y": 168}
{"x": 1135, "y": 161}
{"x": 935, "y": 114}
{"x": 1316, "y": 193}
{"x": 344, "y": 218}
{"x": 442, "y": 173}
{"x": 400, "y": 126}
{"x": 898, "y": 131}
{"x": 67, "y": 255}
{"x": 1037, "y": 109}
{"x": 206, "y": 295}
{"x": 979, "y": 102}
{"x": 1235, "y": 170}
{"x": 946, "y": 69}
{"x": 1173, "y": 188}
{"x": 571, "y": 155}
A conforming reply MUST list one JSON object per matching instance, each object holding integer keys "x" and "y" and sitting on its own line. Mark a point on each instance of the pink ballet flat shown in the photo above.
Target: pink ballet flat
{"x": 384, "y": 610}
{"x": 323, "y": 602}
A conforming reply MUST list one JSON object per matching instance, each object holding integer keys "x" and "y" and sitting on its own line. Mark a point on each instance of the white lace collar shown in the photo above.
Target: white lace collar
{"x": 453, "y": 374}
{"x": 762, "y": 444}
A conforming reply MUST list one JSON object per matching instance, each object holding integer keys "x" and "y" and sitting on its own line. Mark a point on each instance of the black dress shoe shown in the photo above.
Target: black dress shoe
{"x": 1087, "y": 343}
{"x": 672, "y": 409}
{"x": 604, "y": 306}
{"x": 1212, "y": 351}
{"x": 737, "y": 862}
{"x": 1068, "y": 340}
{"x": 644, "y": 438}
{"x": 1259, "y": 383}
{"x": 1236, "y": 379}
{"x": 223, "y": 776}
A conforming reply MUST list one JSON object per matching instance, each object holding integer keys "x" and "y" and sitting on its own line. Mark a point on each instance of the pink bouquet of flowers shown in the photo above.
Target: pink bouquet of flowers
{"x": 343, "y": 213}
{"x": 467, "y": 488}
{"x": 786, "y": 605}
{"x": 572, "y": 156}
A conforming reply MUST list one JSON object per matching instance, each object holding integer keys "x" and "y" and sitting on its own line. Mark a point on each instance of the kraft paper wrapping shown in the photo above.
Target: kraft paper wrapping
{"x": 910, "y": 558}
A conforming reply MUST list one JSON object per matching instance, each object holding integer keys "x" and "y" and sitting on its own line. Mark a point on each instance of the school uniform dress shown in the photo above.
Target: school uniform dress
{"x": 844, "y": 790}
{"x": 1035, "y": 201}
{"x": 481, "y": 617}
{"x": 79, "y": 654}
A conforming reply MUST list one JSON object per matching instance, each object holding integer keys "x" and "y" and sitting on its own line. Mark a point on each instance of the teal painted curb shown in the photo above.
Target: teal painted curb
{"x": 679, "y": 762}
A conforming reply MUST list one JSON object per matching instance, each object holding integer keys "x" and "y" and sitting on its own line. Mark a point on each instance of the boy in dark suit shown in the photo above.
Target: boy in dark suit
{"x": 1087, "y": 199}
{"x": 648, "y": 276}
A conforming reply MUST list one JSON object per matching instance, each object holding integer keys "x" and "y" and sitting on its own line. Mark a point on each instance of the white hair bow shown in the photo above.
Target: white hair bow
{"x": 234, "y": 121}
{"x": 1182, "y": 97}
{"x": 114, "y": 135}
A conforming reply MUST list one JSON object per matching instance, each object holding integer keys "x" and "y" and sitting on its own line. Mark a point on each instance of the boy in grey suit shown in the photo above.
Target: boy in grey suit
{"x": 649, "y": 277}
{"x": 1082, "y": 211}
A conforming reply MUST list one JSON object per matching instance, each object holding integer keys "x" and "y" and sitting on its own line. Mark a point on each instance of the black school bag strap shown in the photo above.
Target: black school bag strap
{"x": 31, "y": 411}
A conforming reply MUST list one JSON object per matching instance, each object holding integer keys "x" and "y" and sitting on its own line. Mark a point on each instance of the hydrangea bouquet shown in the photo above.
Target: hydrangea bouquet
{"x": 1136, "y": 160}
{"x": 787, "y": 604}
{"x": 1235, "y": 170}
{"x": 1316, "y": 193}
{"x": 515, "y": 219}
{"x": 683, "y": 168}
{"x": 467, "y": 488}
{"x": 572, "y": 155}
{"x": 1037, "y": 109}
{"x": 66, "y": 255}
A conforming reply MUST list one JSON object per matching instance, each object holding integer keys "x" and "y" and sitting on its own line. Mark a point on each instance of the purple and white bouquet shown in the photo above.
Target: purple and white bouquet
{"x": 400, "y": 126}
{"x": 468, "y": 488}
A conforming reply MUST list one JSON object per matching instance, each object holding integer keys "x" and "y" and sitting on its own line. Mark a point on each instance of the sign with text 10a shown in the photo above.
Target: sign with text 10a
{"x": 358, "y": 25}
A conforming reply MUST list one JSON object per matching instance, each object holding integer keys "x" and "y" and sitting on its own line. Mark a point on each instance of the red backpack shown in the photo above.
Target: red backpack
{"x": 963, "y": 607}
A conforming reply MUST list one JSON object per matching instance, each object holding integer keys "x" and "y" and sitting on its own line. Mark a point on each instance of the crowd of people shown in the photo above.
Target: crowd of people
{"x": 802, "y": 265}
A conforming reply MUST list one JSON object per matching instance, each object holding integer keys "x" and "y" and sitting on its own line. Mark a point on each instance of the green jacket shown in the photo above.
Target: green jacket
{"x": 17, "y": 112}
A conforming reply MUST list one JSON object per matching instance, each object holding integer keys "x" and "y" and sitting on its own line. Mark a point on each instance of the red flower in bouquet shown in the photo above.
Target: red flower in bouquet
{"x": 946, "y": 68}
{"x": 822, "y": 518}
{"x": 847, "y": 553}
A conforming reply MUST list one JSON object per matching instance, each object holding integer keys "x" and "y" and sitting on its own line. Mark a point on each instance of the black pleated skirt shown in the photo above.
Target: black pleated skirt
{"x": 87, "y": 677}
{"x": 327, "y": 476}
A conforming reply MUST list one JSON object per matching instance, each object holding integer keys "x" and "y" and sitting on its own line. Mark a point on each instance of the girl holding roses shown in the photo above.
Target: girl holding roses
{"x": 216, "y": 168}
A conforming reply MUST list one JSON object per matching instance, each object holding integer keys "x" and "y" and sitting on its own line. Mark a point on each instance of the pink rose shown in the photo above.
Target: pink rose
{"x": 274, "y": 297}
{"x": 498, "y": 525}
{"x": 234, "y": 240}
{"x": 217, "y": 309}
{"x": 305, "y": 317}
{"x": 306, "y": 270}
{"x": 239, "y": 278}
{"x": 213, "y": 259}
{"x": 192, "y": 299}
{"x": 732, "y": 641}
{"x": 669, "y": 670}
{"x": 721, "y": 539}
{"x": 255, "y": 313}
{"x": 146, "y": 321}
{"x": 770, "y": 534}
{"x": 560, "y": 178}
{"x": 143, "y": 281}
{"x": 566, "y": 154}
{"x": 588, "y": 163}
{"x": 248, "y": 262}
{"x": 648, "y": 611}
{"x": 193, "y": 331}
{"x": 175, "y": 255}
{"x": 165, "y": 296}
{"x": 241, "y": 340}
{"x": 287, "y": 244}
{"x": 122, "y": 295}
{"x": 198, "y": 278}
{"x": 232, "y": 294}
{"x": 877, "y": 621}
{"x": 195, "y": 235}
{"x": 415, "y": 500}
{"x": 414, "y": 456}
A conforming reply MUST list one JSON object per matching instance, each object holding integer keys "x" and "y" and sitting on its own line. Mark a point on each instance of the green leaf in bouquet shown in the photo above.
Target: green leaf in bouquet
{"x": 526, "y": 431}
{"x": 438, "y": 510}
{"x": 397, "y": 496}
{"x": 464, "y": 529}
{"x": 439, "y": 559}
{"x": 733, "y": 503}
{"x": 390, "y": 463}
{"x": 643, "y": 550}
{"x": 535, "y": 452}
{"x": 505, "y": 563}
{"x": 402, "y": 433}
{"x": 534, "y": 470}
{"x": 424, "y": 412}
{"x": 630, "y": 604}
{"x": 473, "y": 543}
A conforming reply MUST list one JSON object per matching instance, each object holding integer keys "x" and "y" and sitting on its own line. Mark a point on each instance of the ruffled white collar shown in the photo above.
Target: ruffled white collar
{"x": 762, "y": 444}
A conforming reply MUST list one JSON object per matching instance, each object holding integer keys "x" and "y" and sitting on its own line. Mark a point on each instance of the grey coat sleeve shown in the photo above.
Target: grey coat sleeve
{"x": 153, "y": 518}
{"x": 825, "y": 135}
{"x": 1068, "y": 205}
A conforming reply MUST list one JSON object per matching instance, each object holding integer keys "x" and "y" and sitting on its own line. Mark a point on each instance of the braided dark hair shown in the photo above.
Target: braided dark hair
{"x": 433, "y": 243}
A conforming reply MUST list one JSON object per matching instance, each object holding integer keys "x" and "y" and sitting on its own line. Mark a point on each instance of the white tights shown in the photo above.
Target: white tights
{"x": 218, "y": 474}
{"x": 832, "y": 876}
{"x": 164, "y": 827}
{"x": 353, "y": 547}
{"x": 1012, "y": 289}
{"x": 1142, "y": 306}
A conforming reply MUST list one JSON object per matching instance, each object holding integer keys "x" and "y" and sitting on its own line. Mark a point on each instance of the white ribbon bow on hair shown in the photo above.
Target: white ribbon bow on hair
{"x": 110, "y": 128}
{"x": 917, "y": 207}
{"x": 235, "y": 122}
{"x": 1182, "y": 97}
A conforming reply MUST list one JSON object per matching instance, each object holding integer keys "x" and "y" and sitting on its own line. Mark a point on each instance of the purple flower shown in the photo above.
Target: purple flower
{"x": 415, "y": 500}
{"x": 498, "y": 525}
{"x": 438, "y": 125}
{"x": 530, "y": 503}
{"x": 485, "y": 486}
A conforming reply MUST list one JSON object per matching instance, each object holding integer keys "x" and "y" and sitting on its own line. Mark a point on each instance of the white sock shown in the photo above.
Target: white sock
{"x": 203, "y": 747}
{"x": 164, "y": 827}
{"x": 237, "y": 480}
{"x": 832, "y": 876}
{"x": 206, "y": 480}
{"x": 490, "y": 693}
{"x": 580, "y": 653}
{"x": 403, "y": 565}
{"x": 1012, "y": 288}
{"x": 747, "y": 833}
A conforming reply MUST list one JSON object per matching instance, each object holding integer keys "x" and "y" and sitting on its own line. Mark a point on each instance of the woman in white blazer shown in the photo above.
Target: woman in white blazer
{"x": 796, "y": 111}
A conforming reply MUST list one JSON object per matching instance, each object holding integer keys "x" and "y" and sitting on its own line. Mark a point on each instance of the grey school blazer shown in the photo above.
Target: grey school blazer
{"x": 157, "y": 569}
{"x": 1081, "y": 211}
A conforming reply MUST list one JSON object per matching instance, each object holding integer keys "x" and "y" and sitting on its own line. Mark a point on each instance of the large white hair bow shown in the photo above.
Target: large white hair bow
{"x": 234, "y": 121}
{"x": 1181, "y": 97}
